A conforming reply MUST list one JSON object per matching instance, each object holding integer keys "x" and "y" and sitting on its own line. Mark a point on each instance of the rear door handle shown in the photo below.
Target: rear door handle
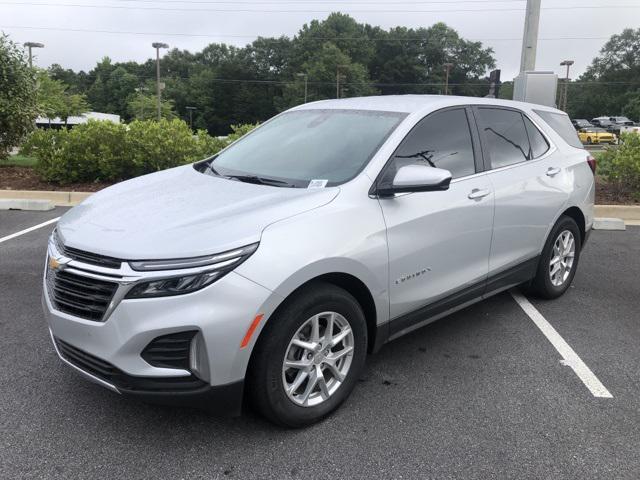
{"x": 477, "y": 193}
{"x": 553, "y": 171}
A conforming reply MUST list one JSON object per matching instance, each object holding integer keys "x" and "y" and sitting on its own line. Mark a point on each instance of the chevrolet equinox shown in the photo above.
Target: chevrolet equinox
{"x": 269, "y": 271}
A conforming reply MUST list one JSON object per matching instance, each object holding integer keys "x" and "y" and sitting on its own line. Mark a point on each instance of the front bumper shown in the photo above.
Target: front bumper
{"x": 109, "y": 352}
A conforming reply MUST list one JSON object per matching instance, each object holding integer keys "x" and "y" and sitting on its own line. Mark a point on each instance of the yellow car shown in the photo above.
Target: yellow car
{"x": 595, "y": 135}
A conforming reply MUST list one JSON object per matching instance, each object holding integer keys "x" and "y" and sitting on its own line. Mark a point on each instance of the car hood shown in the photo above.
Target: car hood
{"x": 181, "y": 213}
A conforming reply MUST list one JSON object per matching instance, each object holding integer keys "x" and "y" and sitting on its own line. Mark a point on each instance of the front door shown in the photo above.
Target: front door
{"x": 438, "y": 241}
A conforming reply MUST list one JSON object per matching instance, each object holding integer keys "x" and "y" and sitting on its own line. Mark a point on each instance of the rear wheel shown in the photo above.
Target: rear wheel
{"x": 309, "y": 358}
{"x": 558, "y": 261}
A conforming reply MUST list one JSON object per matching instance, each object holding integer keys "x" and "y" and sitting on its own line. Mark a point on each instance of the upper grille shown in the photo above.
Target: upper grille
{"x": 123, "y": 382}
{"x": 81, "y": 296}
{"x": 86, "y": 257}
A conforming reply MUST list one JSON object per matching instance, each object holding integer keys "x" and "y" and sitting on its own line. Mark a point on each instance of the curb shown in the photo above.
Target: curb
{"x": 25, "y": 204}
{"x": 628, "y": 213}
{"x": 59, "y": 199}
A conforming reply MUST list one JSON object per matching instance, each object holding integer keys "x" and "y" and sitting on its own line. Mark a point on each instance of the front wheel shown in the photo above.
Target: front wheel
{"x": 559, "y": 260}
{"x": 309, "y": 357}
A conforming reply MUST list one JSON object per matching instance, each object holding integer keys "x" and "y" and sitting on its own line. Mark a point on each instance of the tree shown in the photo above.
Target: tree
{"x": 231, "y": 85}
{"x": 54, "y": 99}
{"x": 611, "y": 81}
{"x": 18, "y": 108}
{"x": 143, "y": 106}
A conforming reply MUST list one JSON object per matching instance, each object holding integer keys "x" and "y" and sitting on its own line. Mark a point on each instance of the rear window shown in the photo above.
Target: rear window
{"x": 562, "y": 126}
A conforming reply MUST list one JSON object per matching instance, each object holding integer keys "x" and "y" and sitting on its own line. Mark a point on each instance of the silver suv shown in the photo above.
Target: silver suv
{"x": 270, "y": 270}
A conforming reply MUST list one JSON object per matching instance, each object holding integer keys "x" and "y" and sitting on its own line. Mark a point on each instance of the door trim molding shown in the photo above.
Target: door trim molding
{"x": 460, "y": 299}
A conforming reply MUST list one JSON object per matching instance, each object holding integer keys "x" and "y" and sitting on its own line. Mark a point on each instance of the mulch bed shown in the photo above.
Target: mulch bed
{"x": 24, "y": 178}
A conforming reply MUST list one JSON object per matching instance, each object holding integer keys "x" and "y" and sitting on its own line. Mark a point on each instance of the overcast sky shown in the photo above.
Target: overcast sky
{"x": 498, "y": 24}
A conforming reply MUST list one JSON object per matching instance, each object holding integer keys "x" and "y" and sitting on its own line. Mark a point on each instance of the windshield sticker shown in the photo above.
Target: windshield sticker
{"x": 316, "y": 183}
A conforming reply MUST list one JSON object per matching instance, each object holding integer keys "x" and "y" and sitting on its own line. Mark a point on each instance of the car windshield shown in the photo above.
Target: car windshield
{"x": 605, "y": 122}
{"x": 305, "y": 148}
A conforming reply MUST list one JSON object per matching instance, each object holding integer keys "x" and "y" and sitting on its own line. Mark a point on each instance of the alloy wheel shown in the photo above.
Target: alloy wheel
{"x": 318, "y": 359}
{"x": 561, "y": 263}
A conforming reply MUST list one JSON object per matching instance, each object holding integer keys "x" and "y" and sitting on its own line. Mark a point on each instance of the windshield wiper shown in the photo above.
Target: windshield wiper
{"x": 260, "y": 180}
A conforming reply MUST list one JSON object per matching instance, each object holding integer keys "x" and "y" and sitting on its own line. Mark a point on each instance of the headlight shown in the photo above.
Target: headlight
{"x": 209, "y": 269}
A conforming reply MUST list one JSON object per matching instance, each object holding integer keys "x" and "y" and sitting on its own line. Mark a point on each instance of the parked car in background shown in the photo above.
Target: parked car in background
{"x": 579, "y": 123}
{"x": 607, "y": 124}
{"x": 272, "y": 268}
{"x": 602, "y": 122}
{"x": 624, "y": 121}
{"x": 596, "y": 136}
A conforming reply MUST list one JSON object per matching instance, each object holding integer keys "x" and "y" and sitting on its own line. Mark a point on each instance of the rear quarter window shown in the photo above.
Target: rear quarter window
{"x": 561, "y": 124}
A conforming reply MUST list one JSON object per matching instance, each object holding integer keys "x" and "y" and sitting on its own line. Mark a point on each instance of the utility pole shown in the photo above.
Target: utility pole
{"x": 530, "y": 38}
{"x": 191, "y": 109}
{"x": 566, "y": 63}
{"x": 447, "y": 68}
{"x": 31, "y": 45}
{"x": 306, "y": 79}
{"x": 158, "y": 46}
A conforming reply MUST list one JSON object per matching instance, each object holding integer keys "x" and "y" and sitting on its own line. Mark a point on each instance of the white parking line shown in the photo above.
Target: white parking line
{"x": 30, "y": 229}
{"x": 569, "y": 357}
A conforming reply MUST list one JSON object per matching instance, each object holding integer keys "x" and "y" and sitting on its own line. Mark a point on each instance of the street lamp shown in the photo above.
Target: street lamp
{"x": 158, "y": 46}
{"x": 31, "y": 45}
{"x": 447, "y": 68}
{"x": 566, "y": 63}
{"x": 338, "y": 67}
{"x": 306, "y": 79}
{"x": 191, "y": 109}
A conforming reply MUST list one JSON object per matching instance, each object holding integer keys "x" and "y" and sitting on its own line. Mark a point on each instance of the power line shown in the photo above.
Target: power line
{"x": 222, "y": 35}
{"x": 293, "y": 2}
{"x": 245, "y": 10}
{"x": 373, "y": 84}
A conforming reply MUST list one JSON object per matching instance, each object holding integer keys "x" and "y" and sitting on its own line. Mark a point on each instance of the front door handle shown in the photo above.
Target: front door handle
{"x": 552, "y": 171}
{"x": 477, "y": 193}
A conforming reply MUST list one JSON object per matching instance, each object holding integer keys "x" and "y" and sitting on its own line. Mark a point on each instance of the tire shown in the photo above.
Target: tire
{"x": 267, "y": 375}
{"x": 544, "y": 284}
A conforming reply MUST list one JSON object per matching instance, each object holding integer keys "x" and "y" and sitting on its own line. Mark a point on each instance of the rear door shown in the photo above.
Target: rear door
{"x": 526, "y": 174}
{"x": 438, "y": 241}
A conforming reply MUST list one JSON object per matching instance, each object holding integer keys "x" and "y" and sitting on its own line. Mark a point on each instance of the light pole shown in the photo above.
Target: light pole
{"x": 447, "y": 68}
{"x": 530, "y": 36}
{"x": 31, "y": 45}
{"x": 158, "y": 46}
{"x": 566, "y": 63}
{"x": 306, "y": 79}
{"x": 191, "y": 109}
{"x": 338, "y": 67}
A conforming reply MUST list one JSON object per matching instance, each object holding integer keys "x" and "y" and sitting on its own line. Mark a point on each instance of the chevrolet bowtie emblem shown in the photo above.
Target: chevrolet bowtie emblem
{"x": 54, "y": 264}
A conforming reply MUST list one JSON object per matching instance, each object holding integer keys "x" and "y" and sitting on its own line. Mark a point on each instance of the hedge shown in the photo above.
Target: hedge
{"x": 106, "y": 151}
{"x": 620, "y": 167}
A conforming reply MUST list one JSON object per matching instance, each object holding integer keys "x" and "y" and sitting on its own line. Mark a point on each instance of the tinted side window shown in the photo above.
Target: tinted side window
{"x": 441, "y": 140}
{"x": 562, "y": 125}
{"x": 539, "y": 145}
{"x": 505, "y": 135}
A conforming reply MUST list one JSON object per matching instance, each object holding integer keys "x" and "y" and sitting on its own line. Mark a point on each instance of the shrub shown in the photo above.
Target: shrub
{"x": 18, "y": 107}
{"x": 106, "y": 151}
{"x": 620, "y": 167}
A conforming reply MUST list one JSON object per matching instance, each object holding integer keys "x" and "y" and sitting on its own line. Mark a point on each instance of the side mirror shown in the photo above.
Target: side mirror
{"x": 416, "y": 178}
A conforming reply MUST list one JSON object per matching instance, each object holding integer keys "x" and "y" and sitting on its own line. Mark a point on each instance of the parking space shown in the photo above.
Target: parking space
{"x": 480, "y": 394}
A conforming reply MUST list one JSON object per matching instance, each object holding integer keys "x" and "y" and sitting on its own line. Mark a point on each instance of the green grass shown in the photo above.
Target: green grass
{"x": 19, "y": 161}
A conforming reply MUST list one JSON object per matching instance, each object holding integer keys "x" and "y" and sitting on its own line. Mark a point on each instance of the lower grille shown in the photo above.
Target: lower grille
{"x": 169, "y": 351}
{"x": 81, "y": 296}
{"x": 123, "y": 382}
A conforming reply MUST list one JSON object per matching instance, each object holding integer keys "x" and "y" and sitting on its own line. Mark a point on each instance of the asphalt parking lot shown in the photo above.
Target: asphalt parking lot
{"x": 480, "y": 394}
